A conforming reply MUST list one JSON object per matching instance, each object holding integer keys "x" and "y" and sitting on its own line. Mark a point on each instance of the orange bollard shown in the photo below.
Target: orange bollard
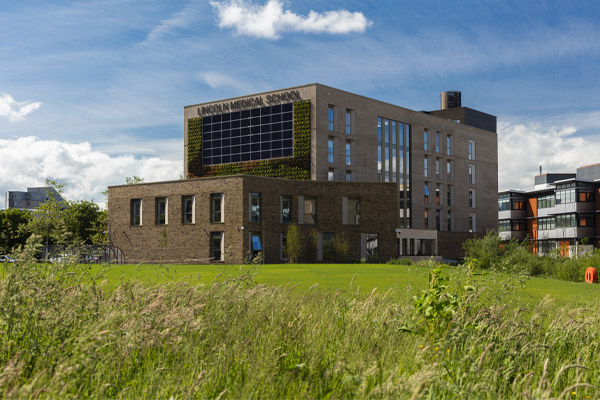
{"x": 591, "y": 276}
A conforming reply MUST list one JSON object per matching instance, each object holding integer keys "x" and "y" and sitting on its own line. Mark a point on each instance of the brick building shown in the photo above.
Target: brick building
{"x": 413, "y": 183}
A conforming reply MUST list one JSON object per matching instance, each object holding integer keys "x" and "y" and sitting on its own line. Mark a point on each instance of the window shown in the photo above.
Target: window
{"x": 348, "y": 122}
{"x": 425, "y": 166}
{"x": 471, "y": 174}
{"x": 546, "y": 224}
{"x": 330, "y": 151}
{"x": 353, "y": 211}
{"x": 565, "y": 196}
{"x": 286, "y": 209}
{"x": 348, "y": 152}
{"x": 310, "y": 210}
{"x": 328, "y": 247}
{"x": 437, "y": 219}
{"x": 255, "y": 207}
{"x": 379, "y": 151}
{"x": 425, "y": 140}
{"x": 438, "y": 189}
{"x": 471, "y": 198}
{"x": 216, "y": 246}
{"x": 566, "y": 221}
{"x": 586, "y": 221}
{"x": 386, "y": 142}
{"x": 438, "y": 173}
{"x": 187, "y": 207}
{"x": 371, "y": 247}
{"x": 437, "y": 142}
{"x": 472, "y": 222}
{"x": 449, "y": 170}
{"x": 471, "y": 149}
{"x": 449, "y": 195}
{"x": 330, "y": 172}
{"x": 585, "y": 195}
{"x": 161, "y": 210}
{"x": 449, "y": 145}
{"x": 331, "y": 118}
{"x": 426, "y": 190}
{"x": 426, "y": 219}
{"x": 449, "y": 220}
{"x": 255, "y": 244}
{"x": 216, "y": 208}
{"x": 136, "y": 212}
{"x": 348, "y": 176}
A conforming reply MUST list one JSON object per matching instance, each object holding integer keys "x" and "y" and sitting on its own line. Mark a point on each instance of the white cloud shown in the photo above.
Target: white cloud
{"x": 216, "y": 79}
{"x": 522, "y": 148}
{"x": 28, "y": 161}
{"x": 16, "y": 110}
{"x": 180, "y": 19}
{"x": 270, "y": 20}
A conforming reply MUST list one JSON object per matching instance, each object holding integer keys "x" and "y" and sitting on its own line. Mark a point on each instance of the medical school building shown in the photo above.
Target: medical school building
{"x": 561, "y": 213}
{"x": 360, "y": 178}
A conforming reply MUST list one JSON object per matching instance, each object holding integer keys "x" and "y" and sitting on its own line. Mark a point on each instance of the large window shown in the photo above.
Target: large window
{"x": 353, "y": 211}
{"x": 348, "y": 122}
{"x": 471, "y": 149}
{"x": 330, "y": 149}
{"x": 257, "y": 134}
{"x": 546, "y": 224}
{"x": 328, "y": 247}
{"x": 472, "y": 222}
{"x": 379, "y": 151}
{"x": 585, "y": 194}
{"x": 330, "y": 174}
{"x": 310, "y": 210}
{"x": 426, "y": 140}
{"x": 449, "y": 145}
{"x": 426, "y": 191}
{"x": 161, "y": 210}
{"x": 437, "y": 142}
{"x": 255, "y": 204}
{"x": 136, "y": 211}
{"x": 216, "y": 246}
{"x": 187, "y": 207}
{"x": 586, "y": 221}
{"x": 372, "y": 247}
{"x": 471, "y": 174}
{"x": 566, "y": 221}
{"x": 425, "y": 166}
{"x": 348, "y": 152}
{"x": 438, "y": 173}
{"x": 331, "y": 117}
{"x": 286, "y": 209}
{"x": 545, "y": 201}
{"x": 255, "y": 244}
{"x": 216, "y": 208}
{"x": 471, "y": 198}
{"x": 449, "y": 170}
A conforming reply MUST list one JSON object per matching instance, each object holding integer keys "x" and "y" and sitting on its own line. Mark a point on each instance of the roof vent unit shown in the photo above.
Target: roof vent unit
{"x": 450, "y": 99}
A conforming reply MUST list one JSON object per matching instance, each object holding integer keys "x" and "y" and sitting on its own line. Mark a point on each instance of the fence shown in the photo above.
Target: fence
{"x": 86, "y": 254}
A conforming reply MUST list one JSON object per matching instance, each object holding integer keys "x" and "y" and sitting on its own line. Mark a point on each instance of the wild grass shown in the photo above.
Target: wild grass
{"x": 65, "y": 334}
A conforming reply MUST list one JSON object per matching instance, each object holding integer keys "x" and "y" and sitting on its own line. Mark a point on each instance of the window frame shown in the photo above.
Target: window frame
{"x": 217, "y": 198}
{"x": 185, "y": 213}
{"x": 255, "y": 209}
{"x": 165, "y": 214}
{"x": 135, "y": 212}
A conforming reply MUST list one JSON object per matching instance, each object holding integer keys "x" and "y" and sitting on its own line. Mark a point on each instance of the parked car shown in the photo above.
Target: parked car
{"x": 6, "y": 258}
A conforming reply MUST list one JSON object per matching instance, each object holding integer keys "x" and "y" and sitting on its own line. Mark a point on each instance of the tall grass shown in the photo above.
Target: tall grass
{"x": 63, "y": 336}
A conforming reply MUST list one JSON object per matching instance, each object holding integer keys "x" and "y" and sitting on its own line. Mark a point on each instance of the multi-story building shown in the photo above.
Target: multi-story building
{"x": 31, "y": 199}
{"x": 559, "y": 213}
{"x": 417, "y": 183}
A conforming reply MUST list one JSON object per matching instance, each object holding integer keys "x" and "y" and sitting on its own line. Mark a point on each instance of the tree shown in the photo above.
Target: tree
{"x": 13, "y": 230}
{"x": 83, "y": 219}
{"x": 48, "y": 218}
{"x": 294, "y": 243}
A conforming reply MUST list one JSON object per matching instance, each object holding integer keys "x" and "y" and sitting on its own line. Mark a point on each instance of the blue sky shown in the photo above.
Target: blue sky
{"x": 93, "y": 91}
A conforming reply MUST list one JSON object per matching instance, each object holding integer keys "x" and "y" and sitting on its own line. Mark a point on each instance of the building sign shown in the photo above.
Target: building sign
{"x": 250, "y": 102}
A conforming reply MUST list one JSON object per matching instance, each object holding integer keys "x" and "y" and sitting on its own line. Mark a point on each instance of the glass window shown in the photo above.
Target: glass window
{"x": 216, "y": 207}
{"x": 216, "y": 246}
{"x": 330, "y": 118}
{"x": 471, "y": 149}
{"x": 565, "y": 196}
{"x": 437, "y": 142}
{"x": 504, "y": 225}
{"x": 161, "y": 210}
{"x": 472, "y": 222}
{"x": 426, "y": 219}
{"x": 449, "y": 195}
{"x": 386, "y": 142}
{"x": 449, "y": 145}
{"x": 438, "y": 194}
{"x": 426, "y": 190}
{"x": 310, "y": 210}
{"x": 546, "y": 224}
{"x": 348, "y": 122}
{"x": 471, "y": 174}
{"x": 425, "y": 166}
{"x": 256, "y": 245}
{"x": 330, "y": 147}
{"x": 255, "y": 201}
{"x": 330, "y": 172}
{"x": 187, "y": 206}
{"x": 586, "y": 221}
{"x": 379, "y": 150}
{"x": 566, "y": 221}
{"x": 328, "y": 247}
{"x": 372, "y": 247}
{"x": 283, "y": 251}
{"x": 438, "y": 173}
{"x": 286, "y": 209}
{"x": 449, "y": 220}
{"x": 136, "y": 211}
{"x": 471, "y": 198}
{"x": 348, "y": 152}
{"x": 545, "y": 201}
{"x": 425, "y": 139}
{"x": 348, "y": 176}
{"x": 353, "y": 211}
{"x": 585, "y": 194}
{"x": 449, "y": 170}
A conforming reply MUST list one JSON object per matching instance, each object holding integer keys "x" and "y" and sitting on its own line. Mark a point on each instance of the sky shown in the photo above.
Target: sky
{"x": 92, "y": 92}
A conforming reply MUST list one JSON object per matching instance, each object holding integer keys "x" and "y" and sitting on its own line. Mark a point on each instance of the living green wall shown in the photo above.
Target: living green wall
{"x": 295, "y": 167}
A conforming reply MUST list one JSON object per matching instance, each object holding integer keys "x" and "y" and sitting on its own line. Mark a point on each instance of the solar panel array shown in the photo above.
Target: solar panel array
{"x": 256, "y": 134}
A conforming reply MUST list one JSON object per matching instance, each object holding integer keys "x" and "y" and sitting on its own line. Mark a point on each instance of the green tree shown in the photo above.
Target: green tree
{"x": 13, "y": 230}
{"x": 48, "y": 221}
{"x": 83, "y": 219}
{"x": 294, "y": 243}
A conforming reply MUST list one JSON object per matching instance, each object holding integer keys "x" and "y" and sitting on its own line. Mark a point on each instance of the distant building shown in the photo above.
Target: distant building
{"x": 31, "y": 199}
{"x": 561, "y": 212}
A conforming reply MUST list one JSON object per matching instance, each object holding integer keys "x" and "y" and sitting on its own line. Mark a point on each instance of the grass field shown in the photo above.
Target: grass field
{"x": 294, "y": 331}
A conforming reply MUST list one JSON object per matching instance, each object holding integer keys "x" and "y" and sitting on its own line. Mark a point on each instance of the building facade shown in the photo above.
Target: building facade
{"x": 443, "y": 173}
{"x": 561, "y": 213}
{"x": 31, "y": 199}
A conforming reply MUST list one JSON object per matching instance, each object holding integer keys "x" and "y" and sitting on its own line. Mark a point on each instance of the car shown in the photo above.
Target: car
{"x": 6, "y": 258}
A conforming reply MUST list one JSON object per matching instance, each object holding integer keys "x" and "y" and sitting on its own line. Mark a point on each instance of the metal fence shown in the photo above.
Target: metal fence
{"x": 85, "y": 254}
